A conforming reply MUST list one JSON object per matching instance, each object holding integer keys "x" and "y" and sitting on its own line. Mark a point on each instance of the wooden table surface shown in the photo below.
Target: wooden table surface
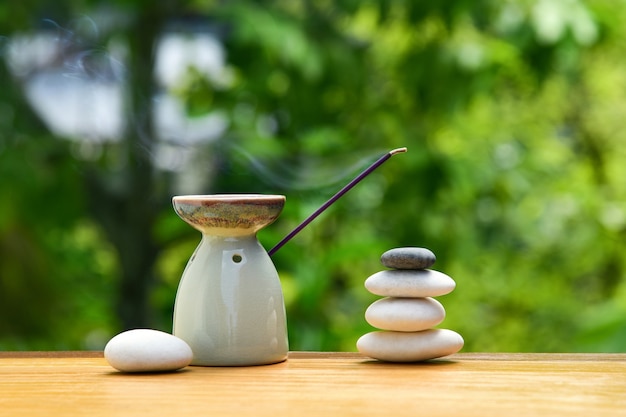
{"x": 319, "y": 384}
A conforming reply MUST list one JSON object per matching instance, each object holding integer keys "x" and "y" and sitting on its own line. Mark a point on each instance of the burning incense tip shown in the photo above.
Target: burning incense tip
{"x": 334, "y": 198}
{"x": 399, "y": 150}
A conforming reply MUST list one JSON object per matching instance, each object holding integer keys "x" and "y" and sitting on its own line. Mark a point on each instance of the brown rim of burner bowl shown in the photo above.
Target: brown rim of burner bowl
{"x": 229, "y": 214}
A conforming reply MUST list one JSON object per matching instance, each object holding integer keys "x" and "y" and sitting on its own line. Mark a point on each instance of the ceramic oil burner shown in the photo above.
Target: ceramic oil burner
{"x": 229, "y": 306}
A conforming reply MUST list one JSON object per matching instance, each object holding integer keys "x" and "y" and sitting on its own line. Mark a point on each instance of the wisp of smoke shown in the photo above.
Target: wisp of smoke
{"x": 310, "y": 174}
{"x": 82, "y": 53}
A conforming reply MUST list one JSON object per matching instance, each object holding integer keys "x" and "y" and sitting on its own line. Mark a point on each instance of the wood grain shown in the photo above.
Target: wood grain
{"x": 319, "y": 384}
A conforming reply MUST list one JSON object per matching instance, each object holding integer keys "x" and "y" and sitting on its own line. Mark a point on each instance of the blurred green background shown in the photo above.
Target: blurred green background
{"x": 515, "y": 176}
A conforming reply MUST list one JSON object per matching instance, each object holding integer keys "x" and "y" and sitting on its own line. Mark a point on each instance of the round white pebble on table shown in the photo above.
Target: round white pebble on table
{"x": 405, "y": 314}
{"x": 146, "y": 350}
{"x": 410, "y": 283}
{"x": 408, "y": 258}
{"x": 410, "y": 347}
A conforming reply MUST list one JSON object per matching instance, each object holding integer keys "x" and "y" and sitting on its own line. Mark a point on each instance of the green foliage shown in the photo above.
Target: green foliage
{"x": 54, "y": 263}
{"x": 511, "y": 112}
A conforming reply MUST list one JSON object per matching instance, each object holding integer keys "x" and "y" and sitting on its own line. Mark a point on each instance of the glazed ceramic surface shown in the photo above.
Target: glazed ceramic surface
{"x": 229, "y": 305}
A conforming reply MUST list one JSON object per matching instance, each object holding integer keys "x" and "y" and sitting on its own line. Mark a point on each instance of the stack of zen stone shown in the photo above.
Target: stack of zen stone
{"x": 408, "y": 313}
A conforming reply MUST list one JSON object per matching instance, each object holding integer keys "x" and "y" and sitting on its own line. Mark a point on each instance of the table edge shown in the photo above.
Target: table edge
{"x": 304, "y": 355}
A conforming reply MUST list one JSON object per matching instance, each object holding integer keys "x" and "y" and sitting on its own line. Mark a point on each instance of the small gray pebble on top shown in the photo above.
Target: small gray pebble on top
{"x": 408, "y": 258}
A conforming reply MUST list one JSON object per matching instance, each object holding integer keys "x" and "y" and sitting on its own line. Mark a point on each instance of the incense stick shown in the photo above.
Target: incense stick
{"x": 334, "y": 198}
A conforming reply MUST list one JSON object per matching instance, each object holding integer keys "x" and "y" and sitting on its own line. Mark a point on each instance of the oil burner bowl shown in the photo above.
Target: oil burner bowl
{"x": 229, "y": 214}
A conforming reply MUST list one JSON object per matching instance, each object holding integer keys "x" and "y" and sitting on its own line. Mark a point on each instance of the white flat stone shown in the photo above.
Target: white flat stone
{"x": 410, "y": 283}
{"x": 146, "y": 350}
{"x": 410, "y": 347}
{"x": 405, "y": 314}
